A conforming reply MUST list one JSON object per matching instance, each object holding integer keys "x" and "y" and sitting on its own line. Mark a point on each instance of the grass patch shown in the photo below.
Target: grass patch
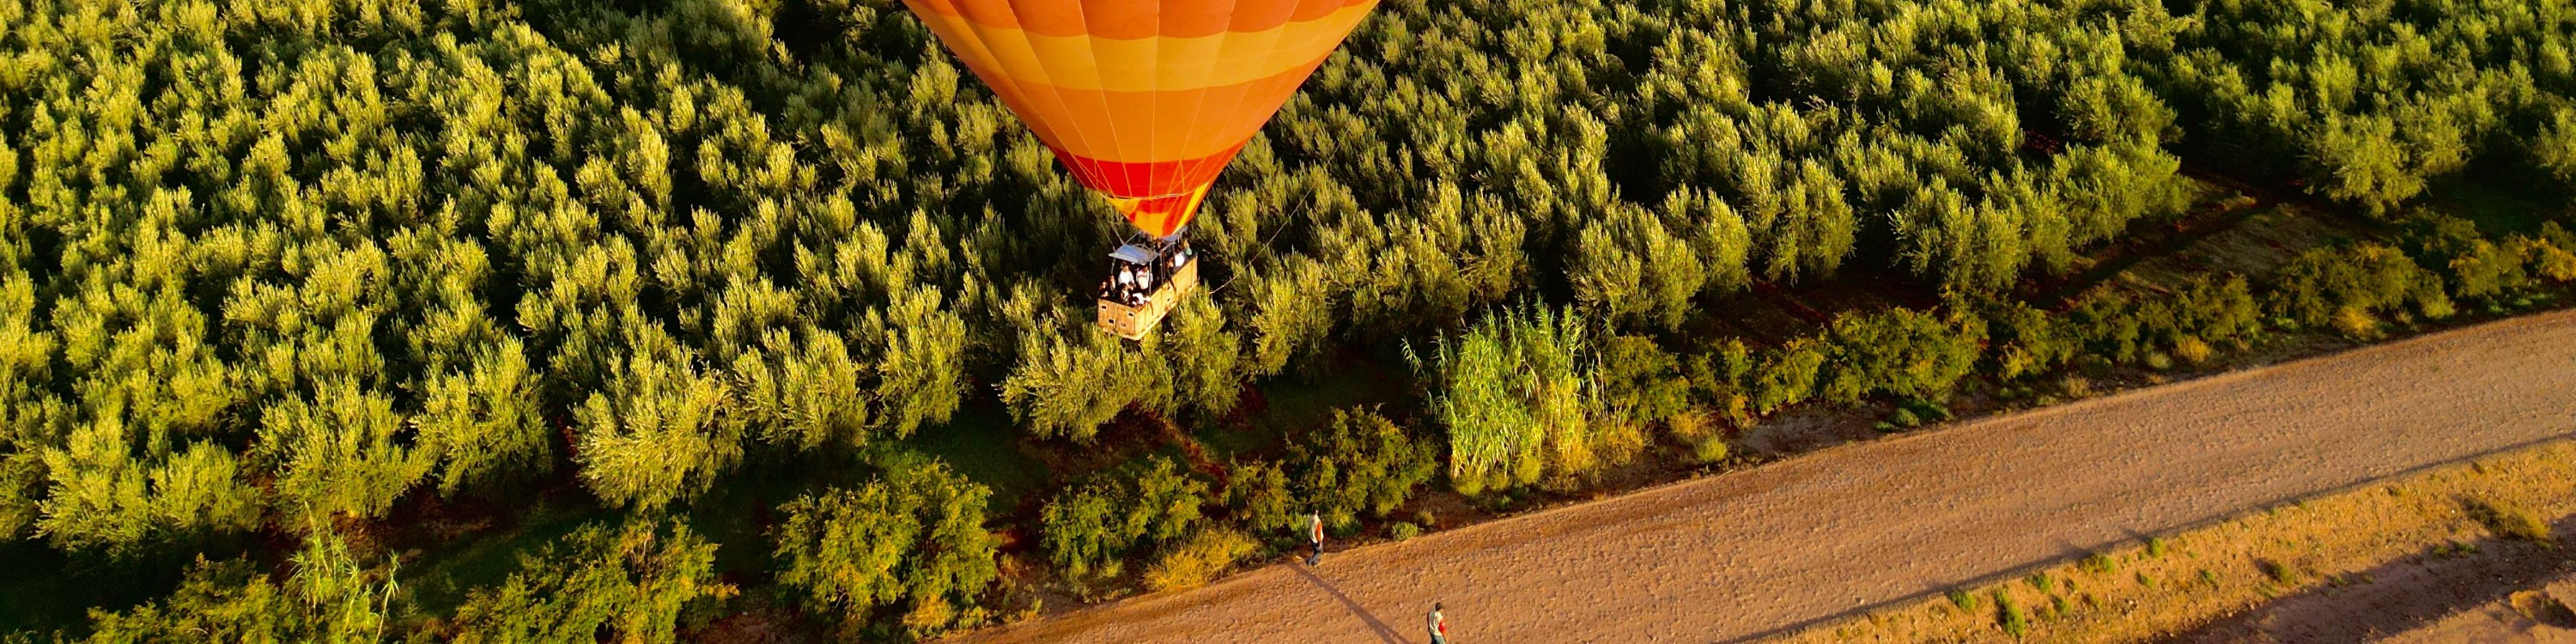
{"x": 2098, "y": 563}
{"x": 2279, "y": 573}
{"x": 2010, "y": 616}
{"x": 2507, "y": 520}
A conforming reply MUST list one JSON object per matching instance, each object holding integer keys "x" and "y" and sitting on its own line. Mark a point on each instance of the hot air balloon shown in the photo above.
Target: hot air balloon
{"x": 1144, "y": 101}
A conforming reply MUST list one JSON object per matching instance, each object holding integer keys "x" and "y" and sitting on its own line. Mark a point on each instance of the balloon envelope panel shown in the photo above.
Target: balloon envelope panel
{"x": 1143, "y": 100}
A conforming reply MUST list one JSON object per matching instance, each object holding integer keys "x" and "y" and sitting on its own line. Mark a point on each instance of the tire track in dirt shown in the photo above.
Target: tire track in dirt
{"x": 1768, "y": 549}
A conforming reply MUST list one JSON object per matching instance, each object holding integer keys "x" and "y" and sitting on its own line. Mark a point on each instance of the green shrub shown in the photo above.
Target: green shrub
{"x": 1087, "y": 531}
{"x": 1927, "y": 410}
{"x": 1710, "y": 450}
{"x": 2209, "y": 310}
{"x": 1257, "y": 492}
{"x": 1721, "y": 378}
{"x": 1903, "y": 419}
{"x": 2357, "y": 323}
{"x": 2126, "y": 328}
{"x": 1360, "y": 464}
{"x": 1081, "y": 533}
{"x": 1193, "y": 562}
{"x": 2192, "y": 350}
{"x": 2472, "y": 266}
{"x": 2075, "y": 386}
{"x": 1900, "y": 352}
{"x": 1961, "y": 598}
{"x": 2108, "y": 325}
{"x": 1166, "y": 501}
{"x": 2351, "y": 288}
{"x": 915, "y": 538}
{"x": 1638, "y": 382}
{"x": 2553, "y": 254}
{"x": 1403, "y": 530}
{"x": 1787, "y": 375}
{"x": 1699, "y": 432}
{"x": 2025, "y": 340}
{"x": 631, "y": 583}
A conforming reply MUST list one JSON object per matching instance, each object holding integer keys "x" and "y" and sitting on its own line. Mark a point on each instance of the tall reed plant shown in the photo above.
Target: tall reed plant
{"x": 1511, "y": 393}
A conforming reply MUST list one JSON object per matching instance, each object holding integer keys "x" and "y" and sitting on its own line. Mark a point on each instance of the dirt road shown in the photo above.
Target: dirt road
{"x": 1757, "y": 552}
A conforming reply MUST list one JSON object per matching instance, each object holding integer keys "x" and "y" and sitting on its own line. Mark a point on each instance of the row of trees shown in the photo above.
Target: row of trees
{"x": 2370, "y": 101}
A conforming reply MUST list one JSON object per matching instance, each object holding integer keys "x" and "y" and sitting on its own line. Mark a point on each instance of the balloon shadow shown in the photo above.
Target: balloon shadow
{"x": 1383, "y": 632}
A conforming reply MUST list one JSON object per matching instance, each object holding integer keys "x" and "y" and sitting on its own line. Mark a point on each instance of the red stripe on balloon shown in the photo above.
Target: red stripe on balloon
{"x": 1145, "y": 180}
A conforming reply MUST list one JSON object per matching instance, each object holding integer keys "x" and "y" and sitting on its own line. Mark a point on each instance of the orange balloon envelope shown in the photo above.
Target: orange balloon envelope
{"x": 1143, "y": 100}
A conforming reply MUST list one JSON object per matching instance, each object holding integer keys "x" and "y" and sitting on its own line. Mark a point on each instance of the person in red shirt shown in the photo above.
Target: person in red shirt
{"x": 1315, "y": 534}
{"x": 1438, "y": 624}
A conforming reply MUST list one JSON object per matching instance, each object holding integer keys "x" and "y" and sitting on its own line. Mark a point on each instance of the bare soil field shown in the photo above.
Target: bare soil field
{"x": 1766, "y": 550}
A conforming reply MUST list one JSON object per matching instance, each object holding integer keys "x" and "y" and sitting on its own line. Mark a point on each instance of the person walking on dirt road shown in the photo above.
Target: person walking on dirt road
{"x": 1438, "y": 624}
{"x": 1315, "y": 534}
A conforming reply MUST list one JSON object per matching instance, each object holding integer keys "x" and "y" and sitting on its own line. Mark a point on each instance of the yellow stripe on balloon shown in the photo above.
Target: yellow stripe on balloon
{"x": 1146, "y": 64}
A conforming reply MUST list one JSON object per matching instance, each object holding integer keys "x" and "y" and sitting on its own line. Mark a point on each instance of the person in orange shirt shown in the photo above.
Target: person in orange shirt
{"x": 1315, "y": 534}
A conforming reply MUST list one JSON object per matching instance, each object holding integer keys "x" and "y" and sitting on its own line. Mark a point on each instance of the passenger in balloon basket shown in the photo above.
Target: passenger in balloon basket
{"x": 1135, "y": 283}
